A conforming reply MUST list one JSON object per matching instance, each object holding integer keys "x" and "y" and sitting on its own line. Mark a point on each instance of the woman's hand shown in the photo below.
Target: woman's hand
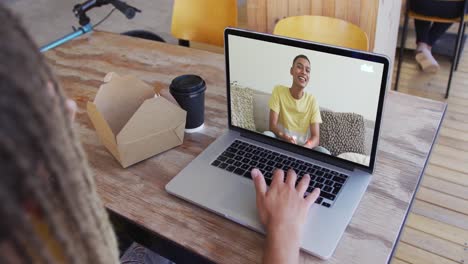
{"x": 283, "y": 211}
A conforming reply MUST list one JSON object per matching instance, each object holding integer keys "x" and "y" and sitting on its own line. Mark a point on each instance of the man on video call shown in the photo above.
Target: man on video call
{"x": 294, "y": 114}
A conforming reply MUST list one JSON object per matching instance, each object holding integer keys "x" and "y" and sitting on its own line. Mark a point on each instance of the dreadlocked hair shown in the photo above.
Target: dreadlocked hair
{"x": 45, "y": 176}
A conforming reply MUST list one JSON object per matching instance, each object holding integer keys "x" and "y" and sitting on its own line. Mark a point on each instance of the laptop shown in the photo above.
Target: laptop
{"x": 347, "y": 88}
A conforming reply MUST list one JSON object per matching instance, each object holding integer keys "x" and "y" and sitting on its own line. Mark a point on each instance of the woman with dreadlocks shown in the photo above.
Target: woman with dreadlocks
{"x": 49, "y": 207}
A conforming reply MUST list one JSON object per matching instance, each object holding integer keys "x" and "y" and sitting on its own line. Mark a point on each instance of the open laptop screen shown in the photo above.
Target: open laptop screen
{"x": 313, "y": 98}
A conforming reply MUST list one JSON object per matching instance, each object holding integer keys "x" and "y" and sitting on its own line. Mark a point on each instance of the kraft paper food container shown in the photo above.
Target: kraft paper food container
{"x": 133, "y": 123}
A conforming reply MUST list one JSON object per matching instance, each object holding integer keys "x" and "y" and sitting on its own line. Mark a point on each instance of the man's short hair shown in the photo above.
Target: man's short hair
{"x": 300, "y": 56}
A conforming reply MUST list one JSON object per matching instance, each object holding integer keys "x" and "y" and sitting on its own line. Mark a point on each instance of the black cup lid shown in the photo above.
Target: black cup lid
{"x": 187, "y": 84}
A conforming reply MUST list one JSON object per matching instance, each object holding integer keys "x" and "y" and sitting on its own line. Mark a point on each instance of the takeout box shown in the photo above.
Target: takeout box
{"x": 133, "y": 123}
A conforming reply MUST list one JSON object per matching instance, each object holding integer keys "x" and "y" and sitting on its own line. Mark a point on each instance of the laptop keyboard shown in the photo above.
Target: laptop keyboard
{"x": 241, "y": 157}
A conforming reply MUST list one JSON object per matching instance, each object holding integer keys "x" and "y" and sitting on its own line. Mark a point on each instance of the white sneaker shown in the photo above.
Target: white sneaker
{"x": 427, "y": 61}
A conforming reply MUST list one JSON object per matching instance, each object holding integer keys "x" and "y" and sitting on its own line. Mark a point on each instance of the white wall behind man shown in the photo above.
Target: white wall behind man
{"x": 337, "y": 82}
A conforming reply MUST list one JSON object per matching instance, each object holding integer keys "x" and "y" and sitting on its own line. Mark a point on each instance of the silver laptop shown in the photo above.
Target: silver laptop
{"x": 345, "y": 90}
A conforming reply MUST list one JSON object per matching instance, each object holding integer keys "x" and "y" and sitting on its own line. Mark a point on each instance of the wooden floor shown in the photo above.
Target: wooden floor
{"x": 437, "y": 227}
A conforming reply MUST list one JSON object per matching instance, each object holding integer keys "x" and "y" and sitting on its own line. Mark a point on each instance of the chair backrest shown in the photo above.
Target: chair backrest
{"x": 323, "y": 29}
{"x": 203, "y": 20}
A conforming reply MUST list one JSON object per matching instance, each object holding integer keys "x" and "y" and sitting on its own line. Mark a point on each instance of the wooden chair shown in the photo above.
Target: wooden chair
{"x": 457, "y": 49}
{"x": 203, "y": 20}
{"x": 323, "y": 29}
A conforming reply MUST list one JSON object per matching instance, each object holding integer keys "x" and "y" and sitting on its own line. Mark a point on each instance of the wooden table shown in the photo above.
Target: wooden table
{"x": 410, "y": 125}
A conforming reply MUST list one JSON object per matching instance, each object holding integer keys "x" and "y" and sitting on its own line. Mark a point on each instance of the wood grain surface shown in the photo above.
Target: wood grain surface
{"x": 410, "y": 125}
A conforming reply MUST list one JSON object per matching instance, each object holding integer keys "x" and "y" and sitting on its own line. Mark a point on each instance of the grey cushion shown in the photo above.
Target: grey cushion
{"x": 342, "y": 132}
{"x": 242, "y": 107}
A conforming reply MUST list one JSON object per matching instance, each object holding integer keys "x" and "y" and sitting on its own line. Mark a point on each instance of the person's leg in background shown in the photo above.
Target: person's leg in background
{"x": 427, "y": 33}
{"x": 437, "y": 30}
{"x": 423, "y": 50}
{"x": 422, "y": 30}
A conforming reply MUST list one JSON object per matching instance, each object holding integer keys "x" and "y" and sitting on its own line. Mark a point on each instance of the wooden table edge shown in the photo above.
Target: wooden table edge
{"x": 413, "y": 196}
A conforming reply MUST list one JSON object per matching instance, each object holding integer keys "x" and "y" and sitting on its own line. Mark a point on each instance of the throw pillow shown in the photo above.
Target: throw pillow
{"x": 242, "y": 107}
{"x": 342, "y": 132}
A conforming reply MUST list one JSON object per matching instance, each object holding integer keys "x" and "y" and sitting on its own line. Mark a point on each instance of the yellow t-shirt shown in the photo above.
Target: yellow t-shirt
{"x": 295, "y": 116}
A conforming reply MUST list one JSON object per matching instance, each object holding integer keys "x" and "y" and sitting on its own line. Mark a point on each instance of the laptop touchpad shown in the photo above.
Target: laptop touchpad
{"x": 240, "y": 202}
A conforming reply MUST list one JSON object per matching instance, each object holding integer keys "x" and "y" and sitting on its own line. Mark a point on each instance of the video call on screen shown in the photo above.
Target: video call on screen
{"x": 320, "y": 101}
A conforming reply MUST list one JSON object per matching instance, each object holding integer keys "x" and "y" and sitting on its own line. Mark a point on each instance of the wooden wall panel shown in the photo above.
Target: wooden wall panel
{"x": 368, "y": 19}
{"x": 276, "y": 10}
{"x": 257, "y": 15}
{"x": 316, "y": 7}
{"x": 340, "y": 9}
{"x": 328, "y": 8}
{"x": 354, "y": 12}
{"x": 299, "y": 7}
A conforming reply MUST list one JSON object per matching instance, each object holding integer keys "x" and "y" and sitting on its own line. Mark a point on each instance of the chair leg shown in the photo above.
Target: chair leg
{"x": 454, "y": 59}
{"x": 462, "y": 22}
{"x": 402, "y": 47}
{"x": 183, "y": 42}
{"x": 459, "y": 52}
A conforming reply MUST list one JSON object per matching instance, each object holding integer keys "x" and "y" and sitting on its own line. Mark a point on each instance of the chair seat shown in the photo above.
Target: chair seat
{"x": 324, "y": 30}
{"x": 415, "y": 15}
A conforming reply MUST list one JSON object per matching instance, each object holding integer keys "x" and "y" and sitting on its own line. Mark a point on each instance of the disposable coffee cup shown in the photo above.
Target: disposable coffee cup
{"x": 189, "y": 92}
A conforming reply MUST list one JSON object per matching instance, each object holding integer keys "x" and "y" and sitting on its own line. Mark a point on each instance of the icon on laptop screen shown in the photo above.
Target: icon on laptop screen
{"x": 367, "y": 68}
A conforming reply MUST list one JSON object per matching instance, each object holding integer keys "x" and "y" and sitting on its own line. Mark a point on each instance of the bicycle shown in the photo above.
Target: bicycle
{"x": 85, "y": 22}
